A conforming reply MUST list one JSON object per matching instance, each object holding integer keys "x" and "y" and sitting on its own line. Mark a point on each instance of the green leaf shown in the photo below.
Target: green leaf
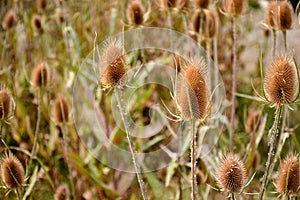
{"x": 32, "y": 183}
{"x": 170, "y": 172}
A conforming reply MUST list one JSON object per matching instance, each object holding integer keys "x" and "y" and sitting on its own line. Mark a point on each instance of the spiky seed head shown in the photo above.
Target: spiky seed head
{"x": 196, "y": 21}
{"x": 40, "y": 76}
{"x": 42, "y": 4}
{"x": 231, "y": 174}
{"x": 10, "y": 20}
{"x": 114, "y": 64}
{"x": 201, "y": 3}
{"x": 37, "y": 23}
{"x": 175, "y": 62}
{"x": 61, "y": 109}
{"x": 135, "y": 13}
{"x": 209, "y": 24}
{"x": 193, "y": 90}
{"x": 234, "y": 7}
{"x": 5, "y": 104}
{"x": 271, "y": 14}
{"x": 288, "y": 180}
{"x": 59, "y": 16}
{"x": 168, "y": 3}
{"x": 281, "y": 82}
{"x": 61, "y": 193}
{"x": 183, "y": 3}
{"x": 285, "y": 15}
{"x": 12, "y": 172}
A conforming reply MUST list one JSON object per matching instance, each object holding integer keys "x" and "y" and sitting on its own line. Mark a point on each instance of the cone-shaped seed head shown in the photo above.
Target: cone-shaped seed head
{"x": 209, "y": 24}
{"x": 234, "y": 7}
{"x": 40, "y": 75}
{"x": 5, "y": 104}
{"x": 10, "y": 20}
{"x": 201, "y": 3}
{"x": 135, "y": 13}
{"x": 61, "y": 109}
{"x": 279, "y": 15}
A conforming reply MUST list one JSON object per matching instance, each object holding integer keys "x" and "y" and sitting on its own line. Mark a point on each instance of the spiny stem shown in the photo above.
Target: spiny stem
{"x": 274, "y": 135}
{"x": 64, "y": 130}
{"x": 131, "y": 145}
{"x": 274, "y": 41}
{"x": 233, "y": 89}
{"x": 193, "y": 159}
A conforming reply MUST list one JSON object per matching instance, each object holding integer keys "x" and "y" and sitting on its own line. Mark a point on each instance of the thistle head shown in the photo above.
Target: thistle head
{"x": 193, "y": 91}
{"x": 61, "y": 109}
{"x": 12, "y": 172}
{"x": 279, "y": 15}
{"x": 113, "y": 62}
{"x": 234, "y": 7}
{"x": 281, "y": 83}
{"x": 40, "y": 76}
{"x": 231, "y": 175}
{"x": 10, "y": 20}
{"x": 209, "y": 25}
{"x": 135, "y": 13}
{"x": 288, "y": 180}
{"x": 6, "y": 104}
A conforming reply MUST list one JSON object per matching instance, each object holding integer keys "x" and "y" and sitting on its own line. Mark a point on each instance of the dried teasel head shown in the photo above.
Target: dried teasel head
{"x": 10, "y": 20}
{"x": 288, "y": 180}
{"x": 41, "y": 4}
{"x": 62, "y": 193}
{"x": 113, "y": 62}
{"x": 209, "y": 25}
{"x": 40, "y": 76}
{"x": 281, "y": 83}
{"x": 183, "y": 3}
{"x": 61, "y": 109}
{"x": 193, "y": 92}
{"x": 234, "y": 7}
{"x": 6, "y": 104}
{"x": 231, "y": 175}
{"x": 37, "y": 23}
{"x": 279, "y": 15}
{"x": 196, "y": 21}
{"x": 12, "y": 172}
{"x": 135, "y": 13}
{"x": 167, "y": 3}
{"x": 271, "y": 14}
{"x": 201, "y": 3}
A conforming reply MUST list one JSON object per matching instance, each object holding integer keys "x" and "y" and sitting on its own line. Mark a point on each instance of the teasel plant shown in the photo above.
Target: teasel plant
{"x": 113, "y": 69}
{"x": 61, "y": 116}
{"x": 7, "y": 108}
{"x": 233, "y": 8}
{"x": 231, "y": 175}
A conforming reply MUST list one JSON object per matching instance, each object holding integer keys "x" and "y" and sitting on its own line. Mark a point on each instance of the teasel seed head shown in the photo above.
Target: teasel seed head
{"x": 62, "y": 193}
{"x": 193, "y": 90}
{"x": 114, "y": 64}
{"x": 183, "y": 3}
{"x": 42, "y": 4}
{"x": 40, "y": 76}
{"x": 288, "y": 180}
{"x": 209, "y": 25}
{"x": 285, "y": 15}
{"x": 6, "y": 102}
{"x": 37, "y": 23}
{"x": 61, "y": 109}
{"x": 201, "y": 3}
{"x": 12, "y": 172}
{"x": 168, "y": 3}
{"x": 196, "y": 21}
{"x": 135, "y": 13}
{"x": 271, "y": 14}
{"x": 281, "y": 82}
{"x": 234, "y": 7}
{"x": 10, "y": 20}
{"x": 231, "y": 175}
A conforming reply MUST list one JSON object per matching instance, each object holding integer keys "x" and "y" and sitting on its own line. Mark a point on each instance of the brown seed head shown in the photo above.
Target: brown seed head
{"x": 59, "y": 15}
{"x": 193, "y": 89}
{"x": 10, "y": 20}
{"x": 271, "y": 14}
{"x": 40, "y": 75}
{"x": 201, "y": 3}
{"x": 231, "y": 174}
{"x": 209, "y": 25}
{"x": 114, "y": 63}
{"x": 61, "y": 193}
{"x": 234, "y": 7}
{"x": 135, "y": 13}
{"x": 281, "y": 82}
{"x": 37, "y": 23}
{"x": 183, "y": 3}
{"x": 12, "y": 172}
{"x": 5, "y": 104}
{"x": 196, "y": 21}
{"x": 285, "y": 18}
{"x": 288, "y": 180}
{"x": 41, "y": 4}
{"x": 61, "y": 109}
{"x": 168, "y": 3}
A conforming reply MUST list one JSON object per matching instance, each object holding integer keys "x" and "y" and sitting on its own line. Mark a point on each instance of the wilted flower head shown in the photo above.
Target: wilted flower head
{"x": 113, "y": 62}
{"x": 281, "y": 82}
{"x": 10, "y": 20}
{"x": 288, "y": 180}
{"x": 231, "y": 175}
{"x": 193, "y": 91}
{"x": 12, "y": 172}
{"x": 135, "y": 13}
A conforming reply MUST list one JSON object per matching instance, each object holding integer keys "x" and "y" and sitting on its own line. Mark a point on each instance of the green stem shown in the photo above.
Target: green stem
{"x": 193, "y": 159}
{"x": 131, "y": 145}
{"x": 274, "y": 135}
{"x": 232, "y": 196}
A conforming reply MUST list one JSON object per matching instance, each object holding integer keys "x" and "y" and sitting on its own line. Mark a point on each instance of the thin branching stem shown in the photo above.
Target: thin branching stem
{"x": 233, "y": 89}
{"x": 274, "y": 135}
{"x": 131, "y": 145}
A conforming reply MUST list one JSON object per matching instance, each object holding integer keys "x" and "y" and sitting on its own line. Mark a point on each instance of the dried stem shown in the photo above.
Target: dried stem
{"x": 274, "y": 41}
{"x": 193, "y": 159}
{"x": 284, "y": 39}
{"x": 233, "y": 89}
{"x": 216, "y": 68}
{"x": 232, "y": 196}
{"x": 274, "y": 135}
{"x": 131, "y": 145}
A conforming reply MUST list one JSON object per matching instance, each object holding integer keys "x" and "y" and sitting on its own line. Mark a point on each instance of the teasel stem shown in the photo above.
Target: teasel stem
{"x": 208, "y": 60}
{"x": 274, "y": 135}
{"x": 284, "y": 39}
{"x": 274, "y": 41}
{"x": 193, "y": 159}
{"x": 64, "y": 130}
{"x": 19, "y": 194}
{"x": 216, "y": 68}
{"x": 233, "y": 89}
{"x": 232, "y": 196}
{"x": 37, "y": 130}
{"x": 131, "y": 145}
{"x": 4, "y": 47}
